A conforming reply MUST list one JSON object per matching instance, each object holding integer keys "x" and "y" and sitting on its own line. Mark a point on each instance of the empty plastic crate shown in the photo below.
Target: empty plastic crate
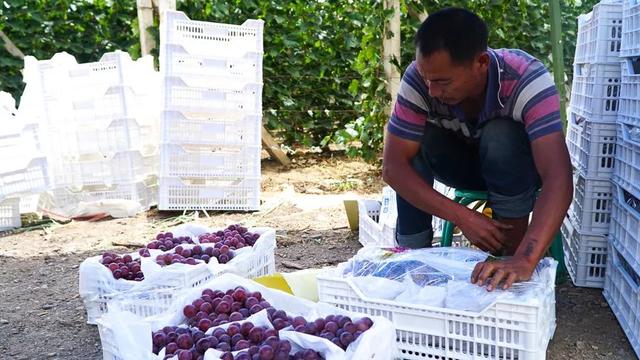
{"x": 596, "y": 91}
{"x": 630, "y": 90}
{"x": 625, "y": 226}
{"x": 10, "y": 214}
{"x": 62, "y": 75}
{"x": 591, "y": 205}
{"x": 123, "y": 167}
{"x": 627, "y": 169}
{"x": 202, "y": 161}
{"x": 208, "y": 38}
{"x": 246, "y": 68}
{"x": 370, "y": 232}
{"x": 144, "y": 192}
{"x": 214, "y": 128}
{"x": 115, "y": 136}
{"x": 585, "y": 255}
{"x": 115, "y": 103}
{"x": 23, "y": 176}
{"x": 504, "y": 330}
{"x": 209, "y": 194}
{"x": 599, "y": 34}
{"x": 592, "y": 146}
{"x": 182, "y": 96}
{"x": 630, "y": 29}
{"x": 621, "y": 290}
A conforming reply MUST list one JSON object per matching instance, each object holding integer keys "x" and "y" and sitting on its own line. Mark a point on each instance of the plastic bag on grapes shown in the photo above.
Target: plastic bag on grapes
{"x": 463, "y": 295}
{"x": 379, "y": 287}
{"x": 97, "y": 284}
{"x": 126, "y": 336}
{"x": 376, "y": 343}
{"x": 423, "y": 295}
{"x": 425, "y": 267}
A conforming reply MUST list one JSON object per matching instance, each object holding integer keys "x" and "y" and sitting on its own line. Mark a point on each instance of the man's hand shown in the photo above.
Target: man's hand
{"x": 510, "y": 270}
{"x": 484, "y": 232}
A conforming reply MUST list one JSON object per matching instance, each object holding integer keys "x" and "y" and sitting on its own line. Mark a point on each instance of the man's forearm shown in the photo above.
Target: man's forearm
{"x": 548, "y": 214}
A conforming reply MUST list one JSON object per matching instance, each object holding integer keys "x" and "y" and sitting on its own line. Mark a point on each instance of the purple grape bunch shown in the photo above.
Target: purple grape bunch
{"x": 234, "y": 236}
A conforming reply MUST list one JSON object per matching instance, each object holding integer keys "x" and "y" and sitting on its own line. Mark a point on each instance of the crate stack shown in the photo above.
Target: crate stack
{"x": 211, "y": 114}
{"x": 102, "y": 125}
{"x": 23, "y": 167}
{"x": 622, "y": 283}
{"x": 591, "y": 138}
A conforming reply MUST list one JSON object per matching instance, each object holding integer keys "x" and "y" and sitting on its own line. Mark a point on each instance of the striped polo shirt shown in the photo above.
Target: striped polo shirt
{"x": 518, "y": 87}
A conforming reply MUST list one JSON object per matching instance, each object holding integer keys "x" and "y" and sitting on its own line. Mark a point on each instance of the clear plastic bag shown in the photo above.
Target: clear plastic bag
{"x": 437, "y": 277}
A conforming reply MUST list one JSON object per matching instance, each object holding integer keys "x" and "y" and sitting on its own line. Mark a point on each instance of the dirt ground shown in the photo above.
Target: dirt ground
{"x": 42, "y": 315}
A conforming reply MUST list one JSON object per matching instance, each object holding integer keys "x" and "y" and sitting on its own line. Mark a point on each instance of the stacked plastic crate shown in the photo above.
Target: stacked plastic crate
{"x": 622, "y": 284}
{"x": 212, "y": 114}
{"x": 591, "y": 138}
{"x": 23, "y": 168}
{"x": 102, "y": 125}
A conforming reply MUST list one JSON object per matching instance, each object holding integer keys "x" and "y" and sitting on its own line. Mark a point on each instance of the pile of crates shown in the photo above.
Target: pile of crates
{"x": 622, "y": 283}
{"x": 211, "y": 117}
{"x": 591, "y": 138}
{"x": 23, "y": 168}
{"x": 101, "y": 122}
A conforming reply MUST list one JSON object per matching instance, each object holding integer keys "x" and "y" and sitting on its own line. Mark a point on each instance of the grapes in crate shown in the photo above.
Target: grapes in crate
{"x": 122, "y": 267}
{"x": 165, "y": 242}
{"x": 195, "y": 255}
{"x": 215, "y": 307}
{"x": 234, "y": 236}
{"x": 339, "y": 329}
{"x": 252, "y": 342}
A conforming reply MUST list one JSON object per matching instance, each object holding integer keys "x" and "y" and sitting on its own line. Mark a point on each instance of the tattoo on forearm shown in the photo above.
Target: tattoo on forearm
{"x": 529, "y": 249}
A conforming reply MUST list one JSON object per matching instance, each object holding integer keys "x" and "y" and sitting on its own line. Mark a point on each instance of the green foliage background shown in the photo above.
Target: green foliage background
{"x": 323, "y": 77}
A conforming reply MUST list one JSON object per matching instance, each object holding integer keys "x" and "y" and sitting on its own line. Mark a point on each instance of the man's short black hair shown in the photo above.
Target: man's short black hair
{"x": 460, "y": 32}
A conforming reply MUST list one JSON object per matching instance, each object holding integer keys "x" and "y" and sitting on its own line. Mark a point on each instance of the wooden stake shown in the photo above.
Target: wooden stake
{"x": 145, "y": 20}
{"x": 273, "y": 148}
{"x": 10, "y": 46}
{"x": 391, "y": 49}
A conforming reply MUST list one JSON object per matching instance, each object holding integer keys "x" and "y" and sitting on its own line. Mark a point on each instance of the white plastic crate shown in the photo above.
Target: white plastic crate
{"x": 377, "y": 229}
{"x": 182, "y": 96}
{"x": 96, "y": 169}
{"x": 204, "y": 161}
{"x": 630, "y": 90}
{"x": 62, "y": 75}
{"x": 10, "y": 214}
{"x": 144, "y": 192}
{"x": 627, "y": 169}
{"x": 630, "y": 29}
{"x": 177, "y": 193}
{"x": 592, "y": 146}
{"x": 115, "y": 103}
{"x": 625, "y": 226}
{"x": 16, "y": 177}
{"x": 219, "y": 66}
{"x": 370, "y": 232}
{"x": 621, "y": 290}
{"x": 599, "y": 34}
{"x": 585, "y": 255}
{"x": 214, "y": 128}
{"x": 150, "y": 301}
{"x": 504, "y": 330}
{"x": 208, "y": 38}
{"x": 596, "y": 90}
{"x": 591, "y": 205}
{"x": 105, "y": 287}
{"x": 115, "y": 136}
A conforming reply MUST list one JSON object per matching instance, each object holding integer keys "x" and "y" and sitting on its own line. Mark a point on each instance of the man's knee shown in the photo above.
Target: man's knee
{"x": 508, "y": 167}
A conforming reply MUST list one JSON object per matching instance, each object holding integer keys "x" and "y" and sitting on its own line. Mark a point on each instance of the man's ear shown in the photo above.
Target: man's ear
{"x": 483, "y": 60}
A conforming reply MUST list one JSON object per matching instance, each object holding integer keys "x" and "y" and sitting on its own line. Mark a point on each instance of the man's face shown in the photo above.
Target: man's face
{"x": 452, "y": 83}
